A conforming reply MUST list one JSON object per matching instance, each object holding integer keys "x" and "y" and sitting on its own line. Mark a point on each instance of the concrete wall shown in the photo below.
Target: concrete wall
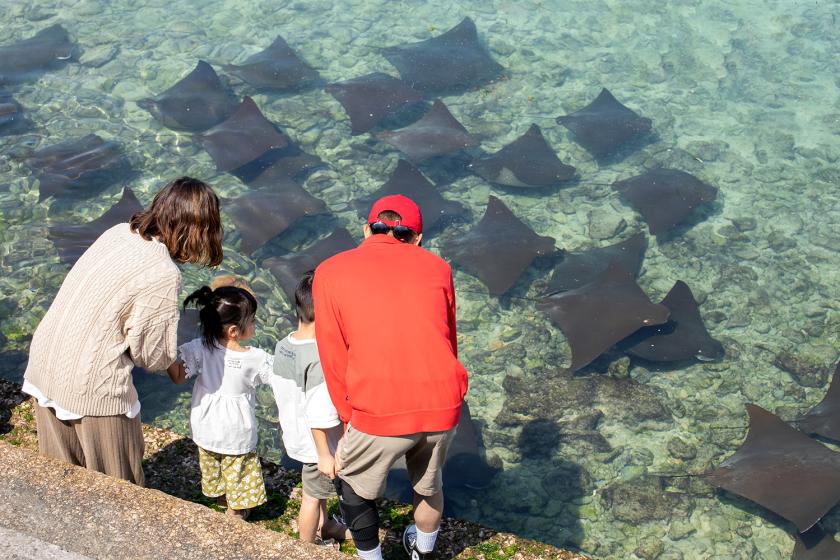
{"x": 94, "y": 515}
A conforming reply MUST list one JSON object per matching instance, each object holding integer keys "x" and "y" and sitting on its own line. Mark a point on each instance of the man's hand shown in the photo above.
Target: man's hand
{"x": 326, "y": 464}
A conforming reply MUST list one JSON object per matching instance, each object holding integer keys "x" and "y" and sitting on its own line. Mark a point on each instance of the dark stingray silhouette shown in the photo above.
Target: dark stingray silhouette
{"x": 597, "y": 315}
{"x": 465, "y": 463}
{"x": 12, "y": 117}
{"x": 683, "y": 337}
{"x": 815, "y": 544}
{"x": 28, "y": 59}
{"x": 527, "y": 162}
{"x": 79, "y": 167}
{"x": 72, "y": 240}
{"x": 783, "y": 470}
{"x": 409, "y": 181}
{"x": 289, "y": 268}
{"x": 665, "y": 197}
{"x": 578, "y": 269}
{"x": 449, "y": 62}
{"x": 435, "y": 134}
{"x": 498, "y": 249}
{"x": 277, "y": 68}
{"x": 824, "y": 419}
{"x": 370, "y": 98}
{"x": 197, "y": 102}
{"x": 263, "y": 214}
{"x": 277, "y": 166}
{"x": 605, "y": 125}
{"x": 243, "y": 137}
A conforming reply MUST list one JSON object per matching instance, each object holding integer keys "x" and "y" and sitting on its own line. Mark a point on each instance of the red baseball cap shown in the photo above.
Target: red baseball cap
{"x": 402, "y": 205}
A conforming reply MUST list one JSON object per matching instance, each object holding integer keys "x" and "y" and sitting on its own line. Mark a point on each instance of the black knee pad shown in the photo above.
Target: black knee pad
{"x": 359, "y": 515}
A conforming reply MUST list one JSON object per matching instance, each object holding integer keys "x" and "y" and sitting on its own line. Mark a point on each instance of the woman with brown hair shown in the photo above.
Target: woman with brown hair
{"x": 116, "y": 309}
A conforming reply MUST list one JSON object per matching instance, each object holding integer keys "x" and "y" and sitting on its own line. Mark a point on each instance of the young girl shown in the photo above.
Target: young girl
{"x": 222, "y": 419}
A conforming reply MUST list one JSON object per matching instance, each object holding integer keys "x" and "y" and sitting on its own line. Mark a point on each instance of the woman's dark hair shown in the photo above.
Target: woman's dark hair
{"x": 227, "y": 305}
{"x": 303, "y": 298}
{"x": 184, "y": 216}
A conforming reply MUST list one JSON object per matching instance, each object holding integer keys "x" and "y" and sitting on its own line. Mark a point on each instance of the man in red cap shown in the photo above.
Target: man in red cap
{"x": 386, "y": 337}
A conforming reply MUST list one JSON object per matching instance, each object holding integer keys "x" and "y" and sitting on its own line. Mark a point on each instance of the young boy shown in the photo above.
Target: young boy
{"x": 310, "y": 424}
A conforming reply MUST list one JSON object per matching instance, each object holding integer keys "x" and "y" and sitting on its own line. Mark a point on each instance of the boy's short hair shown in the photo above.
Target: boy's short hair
{"x": 389, "y": 215}
{"x": 303, "y": 298}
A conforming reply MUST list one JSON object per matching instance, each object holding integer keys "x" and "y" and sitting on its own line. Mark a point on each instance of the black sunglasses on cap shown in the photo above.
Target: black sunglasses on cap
{"x": 401, "y": 232}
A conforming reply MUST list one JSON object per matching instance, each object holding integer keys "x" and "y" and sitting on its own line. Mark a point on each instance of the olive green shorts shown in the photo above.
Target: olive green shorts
{"x": 316, "y": 484}
{"x": 237, "y": 477}
{"x": 366, "y": 460}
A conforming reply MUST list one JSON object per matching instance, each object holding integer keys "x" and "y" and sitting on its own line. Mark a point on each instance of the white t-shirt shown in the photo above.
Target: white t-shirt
{"x": 302, "y": 399}
{"x": 223, "y": 415}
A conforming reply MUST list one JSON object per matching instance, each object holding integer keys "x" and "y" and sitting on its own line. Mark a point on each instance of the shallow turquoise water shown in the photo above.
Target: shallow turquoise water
{"x": 744, "y": 95}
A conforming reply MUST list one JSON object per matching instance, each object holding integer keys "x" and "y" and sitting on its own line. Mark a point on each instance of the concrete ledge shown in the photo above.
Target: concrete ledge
{"x": 94, "y": 515}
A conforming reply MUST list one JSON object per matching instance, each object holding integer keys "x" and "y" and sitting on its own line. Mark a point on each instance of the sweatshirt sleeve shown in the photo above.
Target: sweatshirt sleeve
{"x": 332, "y": 346}
{"x": 152, "y": 326}
{"x": 453, "y": 332}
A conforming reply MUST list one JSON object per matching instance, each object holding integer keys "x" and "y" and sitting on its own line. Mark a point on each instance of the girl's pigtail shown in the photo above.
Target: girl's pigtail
{"x": 208, "y": 316}
{"x": 202, "y": 297}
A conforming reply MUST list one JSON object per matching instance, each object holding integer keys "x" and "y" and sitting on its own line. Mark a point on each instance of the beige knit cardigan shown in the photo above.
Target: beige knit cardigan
{"x": 117, "y": 307}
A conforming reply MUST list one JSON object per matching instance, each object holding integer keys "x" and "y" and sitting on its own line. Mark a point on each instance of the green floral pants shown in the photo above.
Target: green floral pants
{"x": 237, "y": 477}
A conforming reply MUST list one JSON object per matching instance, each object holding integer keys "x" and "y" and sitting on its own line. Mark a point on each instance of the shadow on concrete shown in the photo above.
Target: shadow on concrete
{"x": 10, "y": 397}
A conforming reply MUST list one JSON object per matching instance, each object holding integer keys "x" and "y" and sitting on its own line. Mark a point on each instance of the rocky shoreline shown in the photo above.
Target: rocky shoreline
{"x": 171, "y": 465}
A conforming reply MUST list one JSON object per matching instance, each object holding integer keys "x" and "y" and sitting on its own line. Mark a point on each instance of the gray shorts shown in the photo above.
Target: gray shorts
{"x": 366, "y": 460}
{"x": 316, "y": 484}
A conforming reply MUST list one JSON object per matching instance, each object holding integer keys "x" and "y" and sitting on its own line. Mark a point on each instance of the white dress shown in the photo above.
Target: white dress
{"x": 223, "y": 415}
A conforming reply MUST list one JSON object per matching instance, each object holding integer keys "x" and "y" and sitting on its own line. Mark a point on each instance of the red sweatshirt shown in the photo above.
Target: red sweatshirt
{"x": 385, "y": 326}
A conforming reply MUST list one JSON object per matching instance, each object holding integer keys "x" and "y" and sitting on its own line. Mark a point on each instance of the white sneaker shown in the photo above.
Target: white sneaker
{"x": 409, "y": 541}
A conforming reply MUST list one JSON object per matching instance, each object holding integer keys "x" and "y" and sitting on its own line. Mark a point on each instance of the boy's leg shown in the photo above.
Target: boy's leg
{"x": 428, "y": 511}
{"x": 309, "y": 517}
{"x": 425, "y": 469}
{"x": 362, "y": 519}
{"x": 57, "y": 438}
{"x": 113, "y": 445}
{"x": 319, "y": 488}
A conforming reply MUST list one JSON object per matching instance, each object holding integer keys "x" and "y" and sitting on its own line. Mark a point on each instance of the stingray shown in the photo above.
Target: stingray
{"x": 243, "y": 137}
{"x": 197, "y": 102}
{"x": 277, "y": 166}
{"x": 815, "y": 544}
{"x": 498, "y": 249}
{"x": 277, "y": 68}
{"x": 465, "y": 464}
{"x": 598, "y": 315}
{"x": 605, "y": 125}
{"x": 783, "y": 470}
{"x": 12, "y": 118}
{"x": 435, "y": 134}
{"x": 665, "y": 197}
{"x": 289, "y": 268}
{"x": 527, "y": 162}
{"x": 683, "y": 337}
{"x": 578, "y": 269}
{"x": 26, "y": 59}
{"x": 408, "y": 180}
{"x": 452, "y": 61}
{"x": 370, "y": 98}
{"x": 824, "y": 419}
{"x": 72, "y": 240}
{"x": 78, "y": 168}
{"x": 261, "y": 215}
